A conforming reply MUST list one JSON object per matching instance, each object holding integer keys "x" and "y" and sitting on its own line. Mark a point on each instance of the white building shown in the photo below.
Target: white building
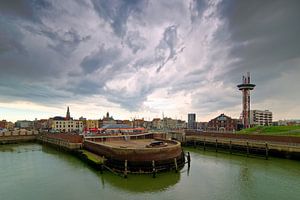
{"x": 67, "y": 126}
{"x": 261, "y": 117}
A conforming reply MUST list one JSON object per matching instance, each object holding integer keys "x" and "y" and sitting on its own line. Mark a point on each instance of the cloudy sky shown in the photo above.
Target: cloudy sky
{"x": 138, "y": 58}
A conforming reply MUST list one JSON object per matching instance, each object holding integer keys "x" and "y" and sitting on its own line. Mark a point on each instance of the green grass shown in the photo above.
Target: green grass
{"x": 93, "y": 157}
{"x": 273, "y": 130}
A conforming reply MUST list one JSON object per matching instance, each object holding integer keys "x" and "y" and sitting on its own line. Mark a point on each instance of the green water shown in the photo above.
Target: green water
{"x": 35, "y": 172}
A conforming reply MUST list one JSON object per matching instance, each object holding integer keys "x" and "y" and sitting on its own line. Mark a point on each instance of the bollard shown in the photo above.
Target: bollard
{"x": 267, "y": 151}
{"x": 204, "y": 144}
{"x": 101, "y": 169}
{"x": 216, "y": 145}
{"x": 230, "y": 147}
{"x": 176, "y": 167}
{"x": 125, "y": 171}
{"x": 189, "y": 159}
{"x": 247, "y": 149}
{"x": 153, "y": 169}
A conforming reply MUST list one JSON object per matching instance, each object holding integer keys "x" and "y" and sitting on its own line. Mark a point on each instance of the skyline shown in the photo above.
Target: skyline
{"x": 142, "y": 59}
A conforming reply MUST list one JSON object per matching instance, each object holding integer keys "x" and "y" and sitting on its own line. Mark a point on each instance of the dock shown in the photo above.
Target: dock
{"x": 18, "y": 136}
{"x": 279, "y": 146}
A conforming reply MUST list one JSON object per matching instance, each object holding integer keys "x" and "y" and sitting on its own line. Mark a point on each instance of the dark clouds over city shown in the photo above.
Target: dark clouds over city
{"x": 139, "y": 58}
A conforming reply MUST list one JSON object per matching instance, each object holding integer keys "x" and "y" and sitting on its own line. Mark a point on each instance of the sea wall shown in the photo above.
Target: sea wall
{"x": 67, "y": 142}
{"x": 279, "y": 147}
{"x": 17, "y": 136}
{"x": 135, "y": 154}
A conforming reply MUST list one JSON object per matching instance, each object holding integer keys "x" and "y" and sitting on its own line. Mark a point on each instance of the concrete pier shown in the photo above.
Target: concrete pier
{"x": 64, "y": 141}
{"x": 266, "y": 148}
{"x": 18, "y": 136}
{"x": 138, "y": 154}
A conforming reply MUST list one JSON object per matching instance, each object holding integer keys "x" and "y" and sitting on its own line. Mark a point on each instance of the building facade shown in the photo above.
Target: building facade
{"x": 24, "y": 124}
{"x": 261, "y": 118}
{"x": 157, "y": 124}
{"x": 2, "y": 124}
{"x": 191, "y": 121}
{"x": 223, "y": 123}
{"x": 67, "y": 126}
{"x": 107, "y": 120}
{"x": 43, "y": 124}
{"x": 91, "y": 124}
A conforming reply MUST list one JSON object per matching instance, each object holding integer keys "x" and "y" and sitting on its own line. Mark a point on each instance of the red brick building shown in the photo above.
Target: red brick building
{"x": 3, "y": 124}
{"x": 223, "y": 123}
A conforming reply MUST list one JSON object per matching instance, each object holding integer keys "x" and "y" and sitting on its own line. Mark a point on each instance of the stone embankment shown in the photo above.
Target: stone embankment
{"x": 70, "y": 142}
{"x": 280, "y": 146}
{"x": 132, "y": 154}
{"x": 17, "y": 136}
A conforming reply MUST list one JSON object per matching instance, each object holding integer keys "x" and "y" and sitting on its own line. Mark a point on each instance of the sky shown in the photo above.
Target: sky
{"x": 136, "y": 58}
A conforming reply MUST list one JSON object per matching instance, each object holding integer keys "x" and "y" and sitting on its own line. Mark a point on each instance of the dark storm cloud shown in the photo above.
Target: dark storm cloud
{"x": 62, "y": 41}
{"x": 12, "y": 90}
{"x": 50, "y": 52}
{"x": 116, "y": 12}
{"x": 264, "y": 34}
{"x": 8, "y": 34}
{"x": 265, "y": 40}
{"x": 67, "y": 42}
{"x": 99, "y": 59}
{"x": 86, "y": 87}
{"x": 24, "y": 9}
{"x": 21, "y": 8}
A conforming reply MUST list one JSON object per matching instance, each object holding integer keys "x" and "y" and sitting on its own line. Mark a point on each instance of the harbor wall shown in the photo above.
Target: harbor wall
{"x": 286, "y": 148}
{"x": 135, "y": 154}
{"x": 64, "y": 141}
{"x": 17, "y": 136}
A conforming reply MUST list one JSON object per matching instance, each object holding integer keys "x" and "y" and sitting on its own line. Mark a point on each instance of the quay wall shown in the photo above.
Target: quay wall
{"x": 16, "y": 136}
{"x": 135, "y": 154}
{"x": 66, "y": 142}
{"x": 273, "y": 138}
{"x": 260, "y": 145}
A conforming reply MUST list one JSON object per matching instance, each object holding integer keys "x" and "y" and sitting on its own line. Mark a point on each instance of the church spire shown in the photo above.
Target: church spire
{"x": 68, "y": 117}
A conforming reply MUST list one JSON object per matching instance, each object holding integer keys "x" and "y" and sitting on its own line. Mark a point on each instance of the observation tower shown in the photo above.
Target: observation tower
{"x": 245, "y": 87}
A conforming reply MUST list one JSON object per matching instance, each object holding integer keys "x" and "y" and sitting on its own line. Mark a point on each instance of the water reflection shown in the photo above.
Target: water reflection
{"x": 136, "y": 183}
{"x": 25, "y": 147}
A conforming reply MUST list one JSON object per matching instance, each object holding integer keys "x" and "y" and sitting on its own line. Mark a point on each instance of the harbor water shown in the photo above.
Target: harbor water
{"x": 34, "y": 172}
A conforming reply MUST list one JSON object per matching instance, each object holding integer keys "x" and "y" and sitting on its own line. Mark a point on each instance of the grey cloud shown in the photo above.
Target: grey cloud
{"x": 85, "y": 87}
{"x": 197, "y": 8}
{"x": 117, "y": 12}
{"x": 16, "y": 8}
{"x": 63, "y": 42}
{"x": 67, "y": 41}
{"x": 135, "y": 41}
{"x": 24, "y": 9}
{"x": 131, "y": 102}
{"x": 22, "y": 90}
{"x": 8, "y": 34}
{"x": 166, "y": 49}
{"x": 44, "y": 65}
{"x": 264, "y": 34}
{"x": 99, "y": 59}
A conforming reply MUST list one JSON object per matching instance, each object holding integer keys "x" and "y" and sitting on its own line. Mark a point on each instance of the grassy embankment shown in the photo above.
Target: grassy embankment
{"x": 273, "y": 130}
{"x": 93, "y": 157}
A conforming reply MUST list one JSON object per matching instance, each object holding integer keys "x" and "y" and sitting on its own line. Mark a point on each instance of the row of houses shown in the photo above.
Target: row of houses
{"x": 221, "y": 123}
